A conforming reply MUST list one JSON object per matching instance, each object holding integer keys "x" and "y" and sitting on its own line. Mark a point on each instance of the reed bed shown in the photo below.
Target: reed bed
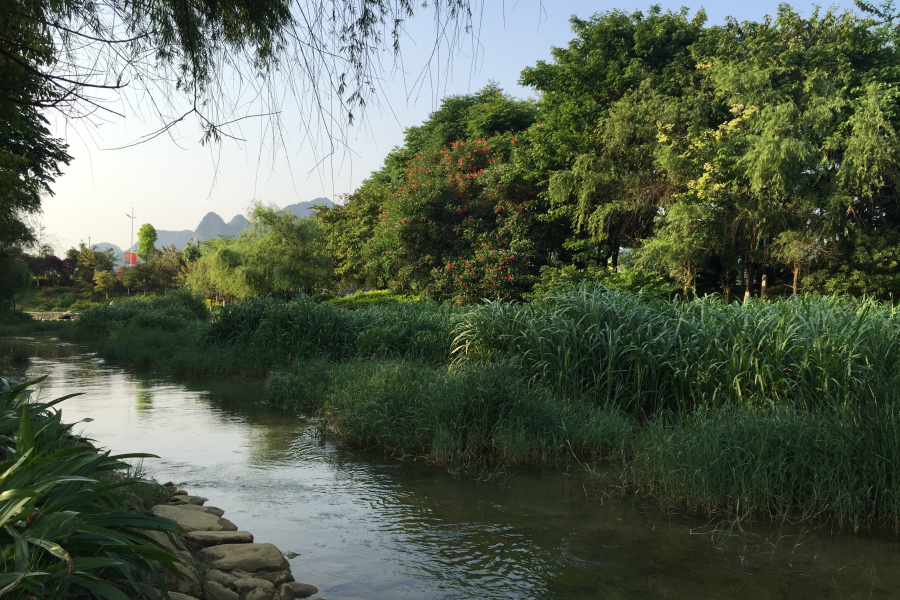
{"x": 787, "y": 409}
{"x": 301, "y": 329}
{"x": 647, "y": 356}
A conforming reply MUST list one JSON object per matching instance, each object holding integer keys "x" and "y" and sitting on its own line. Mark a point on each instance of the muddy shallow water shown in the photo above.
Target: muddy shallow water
{"x": 378, "y": 528}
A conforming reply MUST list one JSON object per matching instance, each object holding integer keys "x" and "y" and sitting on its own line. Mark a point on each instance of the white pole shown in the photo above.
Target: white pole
{"x": 132, "y": 217}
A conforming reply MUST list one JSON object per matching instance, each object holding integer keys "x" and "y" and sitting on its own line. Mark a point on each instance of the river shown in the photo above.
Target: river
{"x": 379, "y": 528}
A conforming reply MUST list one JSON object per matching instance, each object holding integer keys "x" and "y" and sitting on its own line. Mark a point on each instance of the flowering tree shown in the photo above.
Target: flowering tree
{"x": 460, "y": 227}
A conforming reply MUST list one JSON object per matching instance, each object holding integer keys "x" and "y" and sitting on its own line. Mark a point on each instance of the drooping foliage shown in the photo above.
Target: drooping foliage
{"x": 278, "y": 253}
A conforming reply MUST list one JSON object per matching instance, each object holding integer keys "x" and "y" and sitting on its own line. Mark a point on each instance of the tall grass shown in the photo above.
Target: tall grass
{"x": 788, "y": 408}
{"x": 782, "y": 464}
{"x": 476, "y": 416}
{"x": 282, "y": 330}
{"x": 646, "y": 356}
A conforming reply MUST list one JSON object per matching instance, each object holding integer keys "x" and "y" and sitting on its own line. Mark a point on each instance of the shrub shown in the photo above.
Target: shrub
{"x": 64, "y": 531}
{"x": 186, "y": 299}
{"x": 477, "y": 415}
{"x": 279, "y": 331}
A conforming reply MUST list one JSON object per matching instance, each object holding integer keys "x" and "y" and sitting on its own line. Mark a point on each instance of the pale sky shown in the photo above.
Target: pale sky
{"x": 173, "y": 184}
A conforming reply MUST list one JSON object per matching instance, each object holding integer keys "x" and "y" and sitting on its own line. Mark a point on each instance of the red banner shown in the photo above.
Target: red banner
{"x": 130, "y": 258}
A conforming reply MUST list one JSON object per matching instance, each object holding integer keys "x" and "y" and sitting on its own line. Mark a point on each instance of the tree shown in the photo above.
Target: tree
{"x": 82, "y": 56}
{"x": 91, "y": 262}
{"x": 277, "y": 253}
{"x": 722, "y": 155}
{"x": 104, "y": 281}
{"x": 87, "y": 59}
{"x": 15, "y": 276}
{"x": 147, "y": 242}
{"x": 449, "y": 216}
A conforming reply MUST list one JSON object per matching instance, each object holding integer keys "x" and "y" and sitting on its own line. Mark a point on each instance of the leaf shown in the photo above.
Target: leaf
{"x": 25, "y": 440}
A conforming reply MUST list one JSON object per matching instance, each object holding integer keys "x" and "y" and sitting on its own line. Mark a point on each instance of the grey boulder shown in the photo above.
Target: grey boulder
{"x": 246, "y": 557}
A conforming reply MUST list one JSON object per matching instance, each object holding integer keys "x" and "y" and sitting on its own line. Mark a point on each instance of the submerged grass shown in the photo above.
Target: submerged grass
{"x": 787, "y": 409}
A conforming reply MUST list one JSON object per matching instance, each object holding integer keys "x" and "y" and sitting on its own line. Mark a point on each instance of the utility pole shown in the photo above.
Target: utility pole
{"x": 132, "y": 217}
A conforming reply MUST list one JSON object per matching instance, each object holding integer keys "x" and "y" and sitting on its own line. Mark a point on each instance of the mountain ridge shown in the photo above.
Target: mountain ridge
{"x": 212, "y": 225}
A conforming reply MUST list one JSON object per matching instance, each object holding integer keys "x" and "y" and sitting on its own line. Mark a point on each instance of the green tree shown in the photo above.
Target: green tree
{"x": 278, "y": 253}
{"x": 449, "y": 215}
{"x": 725, "y": 154}
{"x": 147, "y": 242}
{"x": 91, "y": 262}
{"x": 104, "y": 281}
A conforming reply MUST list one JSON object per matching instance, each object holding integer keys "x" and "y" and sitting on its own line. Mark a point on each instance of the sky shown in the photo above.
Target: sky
{"x": 173, "y": 181}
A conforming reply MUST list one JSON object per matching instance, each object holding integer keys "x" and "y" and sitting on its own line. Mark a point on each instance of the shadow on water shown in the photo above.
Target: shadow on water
{"x": 371, "y": 527}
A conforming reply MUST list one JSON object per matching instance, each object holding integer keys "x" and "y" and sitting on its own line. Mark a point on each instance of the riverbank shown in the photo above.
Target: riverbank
{"x": 219, "y": 562}
{"x": 375, "y": 526}
{"x": 785, "y": 409}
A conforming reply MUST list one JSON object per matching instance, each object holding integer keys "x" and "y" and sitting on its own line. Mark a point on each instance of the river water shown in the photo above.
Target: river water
{"x": 376, "y": 528}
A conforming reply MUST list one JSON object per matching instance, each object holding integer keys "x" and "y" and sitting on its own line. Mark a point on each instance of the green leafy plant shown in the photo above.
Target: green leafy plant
{"x": 64, "y": 532}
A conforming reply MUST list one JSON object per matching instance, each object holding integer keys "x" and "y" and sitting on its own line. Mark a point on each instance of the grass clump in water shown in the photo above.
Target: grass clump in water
{"x": 477, "y": 415}
{"x": 785, "y": 464}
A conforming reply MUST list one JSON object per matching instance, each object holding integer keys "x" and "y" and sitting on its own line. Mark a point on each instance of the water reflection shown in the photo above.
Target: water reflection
{"x": 376, "y": 528}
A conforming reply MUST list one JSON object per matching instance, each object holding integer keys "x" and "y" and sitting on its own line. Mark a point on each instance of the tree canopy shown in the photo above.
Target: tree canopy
{"x": 716, "y": 156}
{"x": 278, "y": 253}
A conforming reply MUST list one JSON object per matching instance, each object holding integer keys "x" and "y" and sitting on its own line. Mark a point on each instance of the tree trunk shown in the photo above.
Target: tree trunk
{"x": 763, "y": 285}
{"x": 751, "y": 275}
{"x": 796, "y": 279}
{"x": 726, "y": 287}
{"x": 615, "y": 259}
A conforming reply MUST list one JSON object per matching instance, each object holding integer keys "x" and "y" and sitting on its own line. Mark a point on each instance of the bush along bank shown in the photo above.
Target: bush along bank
{"x": 787, "y": 408}
{"x": 70, "y": 524}
{"x": 229, "y": 564}
{"x": 76, "y": 522}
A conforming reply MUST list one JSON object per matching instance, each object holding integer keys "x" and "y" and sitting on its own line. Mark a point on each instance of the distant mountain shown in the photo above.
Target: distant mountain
{"x": 179, "y": 238}
{"x": 119, "y": 253}
{"x": 304, "y": 209}
{"x": 212, "y": 225}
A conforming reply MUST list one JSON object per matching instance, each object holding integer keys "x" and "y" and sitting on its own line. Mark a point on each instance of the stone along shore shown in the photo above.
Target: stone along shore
{"x": 218, "y": 561}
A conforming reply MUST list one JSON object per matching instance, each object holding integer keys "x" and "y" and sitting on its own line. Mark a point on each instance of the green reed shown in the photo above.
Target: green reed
{"x": 787, "y": 408}
{"x": 646, "y": 356}
{"x": 475, "y": 416}
{"x": 301, "y": 329}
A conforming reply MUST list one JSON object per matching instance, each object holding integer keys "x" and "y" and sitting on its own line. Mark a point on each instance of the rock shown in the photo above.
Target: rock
{"x": 246, "y": 557}
{"x": 194, "y": 520}
{"x": 292, "y": 554}
{"x": 207, "y": 509}
{"x": 188, "y": 583}
{"x": 184, "y": 499}
{"x": 214, "y": 538}
{"x": 177, "y": 596}
{"x": 161, "y": 538}
{"x": 168, "y": 484}
{"x": 246, "y": 585}
{"x": 294, "y": 590}
{"x": 221, "y": 577}
{"x": 179, "y": 493}
{"x": 261, "y": 594}
{"x": 213, "y": 590}
{"x": 276, "y": 577}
